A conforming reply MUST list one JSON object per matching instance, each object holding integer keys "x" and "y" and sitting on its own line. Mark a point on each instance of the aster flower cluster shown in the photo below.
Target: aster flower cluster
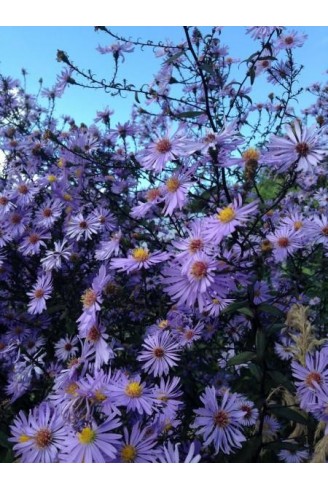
{"x": 147, "y": 269}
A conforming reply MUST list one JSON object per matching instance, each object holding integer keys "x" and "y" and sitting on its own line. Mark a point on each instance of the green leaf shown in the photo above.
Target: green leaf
{"x": 4, "y": 441}
{"x": 190, "y": 114}
{"x": 234, "y": 307}
{"x": 251, "y": 74}
{"x": 246, "y": 312}
{"x": 282, "y": 380}
{"x": 289, "y": 414}
{"x": 277, "y": 446}
{"x": 263, "y": 58}
{"x": 272, "y": 310}
{"x": 173, "y": 58}
{"x": 260, "y": 343}
{"x": 241, "y": 358}
{"x": 256, "y": 371}
{"x": 249, "y": 450}
{"x": 207, "y": 68}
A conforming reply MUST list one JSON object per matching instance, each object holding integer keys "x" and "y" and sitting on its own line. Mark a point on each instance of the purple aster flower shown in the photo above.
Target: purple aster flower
{"x": 270, "y": 428}
{"x": 5, "y": 203}
{"x": 302, "y": 146}
{"x": 160, "y": 353}
{"x": 311, "y": 378}
{"x": 32, "y": 243}
{"x": 92, "y": 298}
{"x": 110, "y": 247}
{"x": 175, "y": 192}
{"x": 132, "y": 394}
{"x": 166, "y": 148}
{"x": 280, "y": 72}
{"x": 66, "y": 348}
{"x": 93, "y": 444}
{"x": 293, "y": 455}
{"x": 169, "y": 394}
{"x": 62, "y": 81}
{"x": 251, "y": 413}
{"x": 320, "y": 230}
{"x": 24, "y": 191}
{"x": 153, "y": 198}
{"x": 117, "y": 49}
{"x": 171, "y": 454}
{"x": 191, "y": 286}
{"x": 105, "y": 217}
{"x": 261, "y": 292}
{"x": 17, "y": 221}
{"x": 261, "y": 32}
{"x": 215, "y": 305}
{"x": 48, "y": 213}
{"x": 53, "y": 258}
{"x": 193, "y": 244}
{"x": 283, "y": 349}
{"x": 189, "y": 334}
{"x": 227, "y": 140}
{"x": 220, "y": 424}
{"x": 79, "y": 226}
{"x": 40, "y": 438}
{"x": 140, "y": 258}
{"x": 285, "y": 242}
{"x": 40, "y": 292}
{"x": 104, "y": 115}
{"x": 137, "y": 446}
{"x": 290, "y": 40}
{"x": 227, "y": 219}
{"x": 97, "y": 339}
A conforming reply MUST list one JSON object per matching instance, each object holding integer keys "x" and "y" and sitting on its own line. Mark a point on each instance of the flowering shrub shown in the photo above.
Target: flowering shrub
{"x": 163, "y": 287}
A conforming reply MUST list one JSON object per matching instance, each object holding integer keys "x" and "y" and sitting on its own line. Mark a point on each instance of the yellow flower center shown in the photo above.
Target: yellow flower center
{"x": 172, "y": 184}
{"x": 163, "y": 324}
{"x": 67, "y": 197}
{"x": 128, "y": 453}
{"x": 60, "y": 163}
{"x": 99, "y": 396}
{"x": 87, "y": 436}
{"x": 72, "y": 388}
{"x": 251, "y": 154}
{"x": 133, "y": 389}
{"x": 24, "y": 438}
{"x": 52, "y": 178}
{"x": 298, "y": 225}
{"x": 226, "y": 215}
{"x": 89, "y": 298}
{"x": 140, "y": 254}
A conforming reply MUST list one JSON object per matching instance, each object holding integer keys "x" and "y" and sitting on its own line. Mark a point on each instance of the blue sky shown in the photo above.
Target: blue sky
{"x": 34, "y": 48}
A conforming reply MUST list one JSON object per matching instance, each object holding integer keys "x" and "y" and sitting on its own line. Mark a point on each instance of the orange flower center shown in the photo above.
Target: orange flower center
{"x": 195, "y": 245}
{"x": 283, "y": 242}
{"x": 302, "y": 149}
{"x": 39, "y": 293}
{"x": 221, "y": 419}
{"x": 199, "y": 269}
{"x": 163, "y": 145}
{"x": 43, "y": 438}
{"x": 159, "y": 352}
{"x": 89, "y": 298}
{"x": 313, "y": 377}
{"x": 172, "y": 184}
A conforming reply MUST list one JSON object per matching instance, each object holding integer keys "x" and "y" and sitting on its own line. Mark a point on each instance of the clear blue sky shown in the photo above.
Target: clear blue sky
{"x": 34, "y": 48}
